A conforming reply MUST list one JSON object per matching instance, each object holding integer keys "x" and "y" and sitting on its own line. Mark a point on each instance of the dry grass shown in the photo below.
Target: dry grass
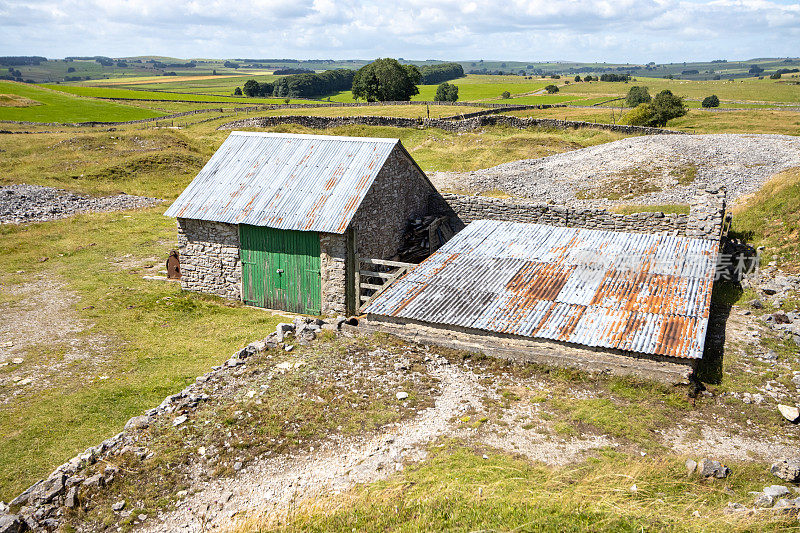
{"x": 771, "y": 218}
{"x": 14, "y": 100}
{"x": 457, "y": 489}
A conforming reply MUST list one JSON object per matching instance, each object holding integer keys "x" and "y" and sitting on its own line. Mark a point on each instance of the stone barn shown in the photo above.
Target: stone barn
{"x": 278, "y": 220}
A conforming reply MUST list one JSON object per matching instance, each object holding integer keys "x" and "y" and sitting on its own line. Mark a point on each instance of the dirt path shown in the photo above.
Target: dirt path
{"x": 274, "y": 484}
{"x": 42, "y": 338}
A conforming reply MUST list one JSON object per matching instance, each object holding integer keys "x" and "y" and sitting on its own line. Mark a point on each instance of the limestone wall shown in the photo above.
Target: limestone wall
{"x": 209, "y": 255}
{"x": 399, "y": 192}
{"x": 707, "y": 214}
{"x": 531, "y": 350}
{"x": 704, "y": 221}
{"x": 449, "y": 124}
{"x": 333, "y": 273}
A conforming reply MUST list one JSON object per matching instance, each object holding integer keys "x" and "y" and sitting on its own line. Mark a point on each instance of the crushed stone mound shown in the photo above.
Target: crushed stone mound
{"x": 652, "y": 169}
{"x": 34, "y": 203}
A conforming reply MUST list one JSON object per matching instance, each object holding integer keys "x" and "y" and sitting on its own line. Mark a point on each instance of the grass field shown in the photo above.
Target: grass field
{"x": 697, "y": 121}
{"x": 157, "y": 337}
{"x": 114, "y": 92}
{"x": 740, "y": 90}
{"x": 59, "y": 107}
{"x": 469, "y": 488}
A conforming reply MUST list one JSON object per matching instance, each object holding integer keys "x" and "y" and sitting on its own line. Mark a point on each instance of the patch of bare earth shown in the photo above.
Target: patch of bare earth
{"x": 42, "y": 338}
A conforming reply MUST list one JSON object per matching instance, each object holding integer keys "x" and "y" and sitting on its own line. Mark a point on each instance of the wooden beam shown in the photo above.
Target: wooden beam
{"x": 386, "y": 262}
{"x": 383, "y": 275}
{"x": 371, "y": 286}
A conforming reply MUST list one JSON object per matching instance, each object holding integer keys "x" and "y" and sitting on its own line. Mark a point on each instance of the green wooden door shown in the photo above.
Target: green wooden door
{"x": 281, "y": 269}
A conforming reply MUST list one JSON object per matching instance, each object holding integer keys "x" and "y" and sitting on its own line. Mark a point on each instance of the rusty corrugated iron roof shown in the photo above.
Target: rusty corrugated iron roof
{"x": 636, "y": 292}
{"x": 285, "y": 181}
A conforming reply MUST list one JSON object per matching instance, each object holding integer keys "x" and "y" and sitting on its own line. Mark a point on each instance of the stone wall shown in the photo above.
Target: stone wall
{"x": 531, "y": 350}
{"x": 209, "y": 255}
{"x": 469, "y": 208}
{"x": 448, "y": 124}
{"x": 400, "y": 192}
{"x": 333, "y": 273}
{"x": 707, "y": 214}
{"x": 705, "y": 219}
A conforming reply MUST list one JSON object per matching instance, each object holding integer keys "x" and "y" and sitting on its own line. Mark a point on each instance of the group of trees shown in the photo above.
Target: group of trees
{"x": 310, "y": 85}
{"x": 551, "y": 89}
{"x": 385, "y": 80}
{"x": 653, "y": 111}
{"x": 710, "y": 101}
{"x": 19, "y": 61}
{"x": 446, "y": 92}
{"x": 306, "y": 85}
{"x": 615, "y": 77}
{"x": 289, "y": 70}
{"x": 432, "y": 74}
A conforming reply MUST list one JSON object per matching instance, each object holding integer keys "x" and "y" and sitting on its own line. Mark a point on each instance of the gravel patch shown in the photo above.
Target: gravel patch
{"x": 652, "y": 169}
{"x": 33, "y": 203}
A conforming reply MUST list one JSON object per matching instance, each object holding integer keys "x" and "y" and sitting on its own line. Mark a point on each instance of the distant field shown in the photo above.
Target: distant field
{"x": 472, "y": 88}
{"x": 111, "y": 92}
{"x": 222, "y": 85}
{"x": 165, "y": 80}
{"x": 745, "y": 90}
{"x": 61, "y": 107}
{"x": 697, "y": 120}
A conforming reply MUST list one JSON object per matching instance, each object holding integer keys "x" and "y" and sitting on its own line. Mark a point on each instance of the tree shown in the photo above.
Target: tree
{"x": 386, "y": 80}
{"x": 667, "y": 106}
{"x": 641, "y": 115}
{"x": 664, "y": 107}
{"x": 505, "y": 95}
{"x": 251, "y": 88}
{"x": 577, "y": 79}
{"x": 637, "y": 95}
{"x": 755, "y": 69}
{"x": 238, "y": 91}
{"x": 710, "y": 101}
{"x": 775, "y": 76}
{"x": 446, "y": 92}
{"x": 551, "y": 89}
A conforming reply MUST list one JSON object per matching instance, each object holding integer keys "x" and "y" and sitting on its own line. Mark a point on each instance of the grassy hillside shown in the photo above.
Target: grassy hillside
{"x": 59, "y": 107}
{"x": 771, "y": 218}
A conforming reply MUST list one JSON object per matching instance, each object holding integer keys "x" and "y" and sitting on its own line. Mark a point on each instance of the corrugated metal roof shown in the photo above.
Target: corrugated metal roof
{"x": 637, "y": 292}
{"x": 285, "y": 181}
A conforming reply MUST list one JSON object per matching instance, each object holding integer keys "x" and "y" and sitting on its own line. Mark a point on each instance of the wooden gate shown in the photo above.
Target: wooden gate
{"x": 281, "y": 269}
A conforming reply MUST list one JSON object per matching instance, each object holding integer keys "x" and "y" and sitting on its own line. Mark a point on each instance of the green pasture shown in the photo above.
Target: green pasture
{"x": 113, "y": 92}
{"x": 61, "y": 107}
{"x": 745, "y": 89}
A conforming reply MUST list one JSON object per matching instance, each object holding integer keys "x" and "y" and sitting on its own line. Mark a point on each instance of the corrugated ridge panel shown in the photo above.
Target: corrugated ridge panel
{"x": 285, "y": 181}
{"x": 635, "y": 292}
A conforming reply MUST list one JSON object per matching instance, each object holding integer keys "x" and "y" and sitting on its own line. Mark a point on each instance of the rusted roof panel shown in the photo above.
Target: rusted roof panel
{"x": 285, "y": 181}
{"x": 636, "y": 292}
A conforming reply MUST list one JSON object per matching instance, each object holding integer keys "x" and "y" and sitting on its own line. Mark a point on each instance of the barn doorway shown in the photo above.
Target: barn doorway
{"x": 281, "y": 269}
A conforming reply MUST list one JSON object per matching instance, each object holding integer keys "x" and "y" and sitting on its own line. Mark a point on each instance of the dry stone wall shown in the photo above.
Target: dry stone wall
{"x": 209, "y": 254}
{"x": 449, "y": 124}
{"x": 705, "y": 220}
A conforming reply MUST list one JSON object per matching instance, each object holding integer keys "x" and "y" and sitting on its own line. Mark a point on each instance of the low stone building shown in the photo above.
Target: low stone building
{"x": 593, "y": 299}
{"x": 278, "y": 220}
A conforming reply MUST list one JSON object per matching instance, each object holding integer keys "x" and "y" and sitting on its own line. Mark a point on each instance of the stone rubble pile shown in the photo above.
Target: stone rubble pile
{"x": 740, "y": 163}
{"x": 44, "y": 503}
{"x": 33, "y": 203}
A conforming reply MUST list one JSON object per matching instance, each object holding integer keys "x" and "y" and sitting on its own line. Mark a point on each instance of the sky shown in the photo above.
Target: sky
{"x": 615, "y": 31}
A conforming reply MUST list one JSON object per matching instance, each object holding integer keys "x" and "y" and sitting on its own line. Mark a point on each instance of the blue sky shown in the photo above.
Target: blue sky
{"x": 535, "y": 30}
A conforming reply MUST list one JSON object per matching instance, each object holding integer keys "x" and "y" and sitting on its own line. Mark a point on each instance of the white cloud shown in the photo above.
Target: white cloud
{"x": 528, "y": 30}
